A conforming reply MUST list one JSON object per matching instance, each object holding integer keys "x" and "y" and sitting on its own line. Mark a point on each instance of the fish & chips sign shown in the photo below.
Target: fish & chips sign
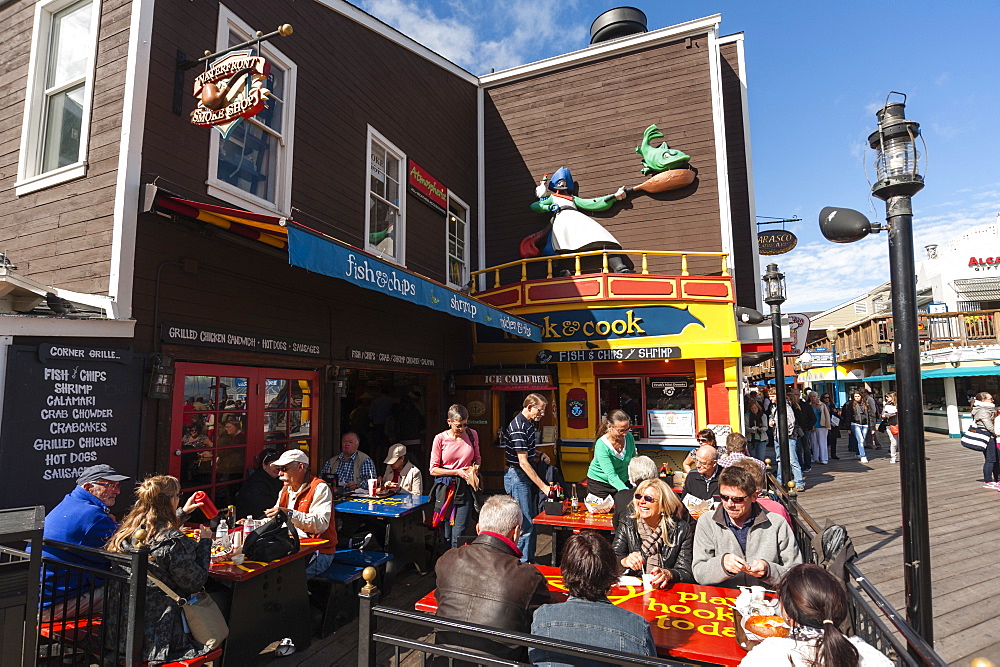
{"x": 231, "y": 89}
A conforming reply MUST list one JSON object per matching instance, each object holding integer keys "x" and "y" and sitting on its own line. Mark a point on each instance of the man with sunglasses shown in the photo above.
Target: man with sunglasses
{"x": 741, "y": 543}
{"x": 82, "y": 518}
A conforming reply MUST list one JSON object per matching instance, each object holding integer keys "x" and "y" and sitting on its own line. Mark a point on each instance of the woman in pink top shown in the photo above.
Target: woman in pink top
{"x": 454, "y": 459}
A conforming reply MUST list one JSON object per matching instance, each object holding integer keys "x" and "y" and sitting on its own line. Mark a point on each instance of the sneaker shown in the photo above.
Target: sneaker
{"x": 990, "y": 485}
{"x": 800, "y": 488}
{"x": 863, "y": 459}
{"x": 360, "y": 543}
{"x": 808, "y": 470}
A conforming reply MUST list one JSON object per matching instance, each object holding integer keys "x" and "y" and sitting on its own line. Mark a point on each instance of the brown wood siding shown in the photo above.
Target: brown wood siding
{"x": 745, "y": 272}
{"x": 589, "y": 118}
{"x": 348, "y": 77}
{"x": 62, "y": 236}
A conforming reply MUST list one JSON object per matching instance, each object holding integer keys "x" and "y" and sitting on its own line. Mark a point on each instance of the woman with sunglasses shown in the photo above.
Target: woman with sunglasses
{"x": 454, "y": 456}
{"x": 705, "y": 436}
{"x": 651, "y": 541}
{"x": 614, "y": 449}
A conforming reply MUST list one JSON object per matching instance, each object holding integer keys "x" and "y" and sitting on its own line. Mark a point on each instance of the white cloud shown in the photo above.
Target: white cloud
{"x": 486, "y": 35}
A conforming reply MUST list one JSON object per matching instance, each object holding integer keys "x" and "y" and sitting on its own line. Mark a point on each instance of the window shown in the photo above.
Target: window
{"x": 252, "y": 166}
{"x": 385, "y": 222}
{"x": 58, "y": 97}
{"x": 457, "y": 242}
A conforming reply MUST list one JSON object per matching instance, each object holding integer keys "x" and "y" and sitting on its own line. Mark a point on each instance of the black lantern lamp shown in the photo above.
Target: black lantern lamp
{"x": 774, "y": 295}
{"x": 161, "y": 377}
{"x": 897, "y": 179}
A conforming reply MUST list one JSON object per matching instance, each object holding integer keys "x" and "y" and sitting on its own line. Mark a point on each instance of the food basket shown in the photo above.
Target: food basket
{"x": 221, "y": 552}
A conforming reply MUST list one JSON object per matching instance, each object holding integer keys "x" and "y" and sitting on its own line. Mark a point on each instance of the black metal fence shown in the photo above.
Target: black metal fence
{"x": 370, "y": 636}
{"x": 873, "y": 617}
{"x": 89, "y": 613}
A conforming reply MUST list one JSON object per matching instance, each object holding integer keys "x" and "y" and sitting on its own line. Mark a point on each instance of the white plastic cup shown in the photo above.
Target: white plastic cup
{"x": 647, "y": 582}
{"x": 371, "y": 487}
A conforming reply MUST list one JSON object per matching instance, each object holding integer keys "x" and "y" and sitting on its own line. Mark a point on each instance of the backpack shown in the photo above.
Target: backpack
{"x": 835, "y": 549}
{"x": 275, "y": 539}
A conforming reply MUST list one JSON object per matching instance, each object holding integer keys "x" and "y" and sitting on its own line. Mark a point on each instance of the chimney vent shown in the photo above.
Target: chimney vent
{"x": 618, "y": 22}
{"x": 931, "y": 251}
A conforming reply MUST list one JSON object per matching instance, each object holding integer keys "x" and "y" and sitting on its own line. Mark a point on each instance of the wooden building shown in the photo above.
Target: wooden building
{"x": 147, "y": 281}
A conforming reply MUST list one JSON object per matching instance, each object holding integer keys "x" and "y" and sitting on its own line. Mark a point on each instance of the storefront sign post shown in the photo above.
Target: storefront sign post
{"x": 831, "y": 335}
{"x": 774, "y": 296}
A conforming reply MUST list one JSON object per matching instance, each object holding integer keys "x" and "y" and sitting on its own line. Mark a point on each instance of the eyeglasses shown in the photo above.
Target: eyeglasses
{"x": 648, "y": 499}
{"x": 702, "y": 440}
{"x": 462, "y": 425}
{"x": 732, "y": 499}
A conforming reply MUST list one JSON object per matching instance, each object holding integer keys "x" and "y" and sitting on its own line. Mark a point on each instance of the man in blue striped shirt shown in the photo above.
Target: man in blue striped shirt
{"x": 521, "y": 479}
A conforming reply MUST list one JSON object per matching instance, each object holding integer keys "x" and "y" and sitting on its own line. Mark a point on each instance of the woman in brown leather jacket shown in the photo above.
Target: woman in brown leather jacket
{"x": 652, "y": 541}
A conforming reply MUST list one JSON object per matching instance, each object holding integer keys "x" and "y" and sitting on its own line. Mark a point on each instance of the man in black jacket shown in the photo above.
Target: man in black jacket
{"x": 485, "y": 582}
{"x": 703, "y": 481}
{"x": 806, "y": 419}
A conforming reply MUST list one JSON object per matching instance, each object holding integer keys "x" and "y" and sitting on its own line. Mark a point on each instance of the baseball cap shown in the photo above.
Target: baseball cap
{"x": 292, "y": 456}
{"x": 397, "y": 452}
{"x": 100, "y": 471}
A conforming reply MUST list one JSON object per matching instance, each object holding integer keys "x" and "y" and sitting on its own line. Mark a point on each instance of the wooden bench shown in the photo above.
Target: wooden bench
{"x": 377, "y": 559}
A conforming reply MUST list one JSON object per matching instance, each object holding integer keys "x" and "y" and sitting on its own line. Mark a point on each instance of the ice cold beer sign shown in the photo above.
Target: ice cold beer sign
{"x": 66, "y": 408}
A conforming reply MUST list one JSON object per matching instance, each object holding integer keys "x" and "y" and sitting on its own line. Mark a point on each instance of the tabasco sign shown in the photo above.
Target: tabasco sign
{"x": 427, "y": 189}
{"x": 231, "y": 89}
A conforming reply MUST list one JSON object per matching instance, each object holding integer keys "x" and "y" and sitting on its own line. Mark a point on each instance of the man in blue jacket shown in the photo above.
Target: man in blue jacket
{"x": 81, "y": 518}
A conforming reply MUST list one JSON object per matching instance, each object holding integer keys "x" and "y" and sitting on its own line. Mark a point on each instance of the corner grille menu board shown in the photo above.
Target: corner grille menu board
{"x": 67, "y": 408}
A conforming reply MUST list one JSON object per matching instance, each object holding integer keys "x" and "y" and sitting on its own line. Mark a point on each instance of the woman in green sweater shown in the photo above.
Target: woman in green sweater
{"x": 615, "y": 447}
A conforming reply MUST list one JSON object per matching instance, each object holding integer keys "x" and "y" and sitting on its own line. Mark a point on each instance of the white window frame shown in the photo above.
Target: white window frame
{"x": 282, "y": 203}
{"x": 399, "y": 240}
{"x": 29, "y": 157}
{"x": 447, "y": 239}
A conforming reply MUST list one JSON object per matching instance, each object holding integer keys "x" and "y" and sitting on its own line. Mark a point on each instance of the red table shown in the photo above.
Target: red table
{"x": 688, "y": 621}
{"x": 575, "y": 521}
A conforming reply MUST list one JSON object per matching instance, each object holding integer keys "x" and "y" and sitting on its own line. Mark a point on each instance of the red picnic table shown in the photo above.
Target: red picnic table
{"x": 576, "y": 521}
{"x": 688, "y": 621}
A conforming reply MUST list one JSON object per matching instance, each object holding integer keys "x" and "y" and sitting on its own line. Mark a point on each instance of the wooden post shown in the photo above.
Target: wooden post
{"x": 369, "y": 597}
{"x": 645, "y": 264}
{"x": 684, "y": 265}
{"x": 548, "y": 268}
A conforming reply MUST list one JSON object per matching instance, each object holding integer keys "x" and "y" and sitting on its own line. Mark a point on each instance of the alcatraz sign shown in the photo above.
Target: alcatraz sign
{"x": 231, "y": 89}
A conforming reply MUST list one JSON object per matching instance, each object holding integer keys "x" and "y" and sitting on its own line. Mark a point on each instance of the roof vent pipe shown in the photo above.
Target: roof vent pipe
{"x": 618, "y": 22}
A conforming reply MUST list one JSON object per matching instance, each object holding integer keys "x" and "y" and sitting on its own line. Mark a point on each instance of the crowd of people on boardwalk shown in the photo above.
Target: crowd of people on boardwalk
{"x": 490, "y": 579}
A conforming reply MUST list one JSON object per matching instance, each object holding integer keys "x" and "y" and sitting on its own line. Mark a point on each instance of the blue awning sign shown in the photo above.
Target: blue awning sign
{"x": 321, "y": 255}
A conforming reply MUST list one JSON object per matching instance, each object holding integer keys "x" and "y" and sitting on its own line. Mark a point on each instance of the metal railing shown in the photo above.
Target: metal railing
{"x": 105, "y": 624}
{"x": 577, "y": 261}
{"x": 370, "y": 638}
{"x": 871, "y": 614}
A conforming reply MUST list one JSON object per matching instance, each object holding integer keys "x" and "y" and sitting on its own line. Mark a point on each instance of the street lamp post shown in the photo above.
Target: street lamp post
{"x": 831, "y": 335}
{"x": 898, "y": 178}
{"x": 774, "y": 296}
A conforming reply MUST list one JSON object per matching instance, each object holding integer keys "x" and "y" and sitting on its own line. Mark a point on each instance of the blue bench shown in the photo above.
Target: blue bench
{"x": 377, "y": 559}
{"x": 341, "y": 578}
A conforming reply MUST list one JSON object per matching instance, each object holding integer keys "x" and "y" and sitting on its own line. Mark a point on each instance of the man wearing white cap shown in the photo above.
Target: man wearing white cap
{"x": 309, "y": 504}
{"x": 401, "y": 474}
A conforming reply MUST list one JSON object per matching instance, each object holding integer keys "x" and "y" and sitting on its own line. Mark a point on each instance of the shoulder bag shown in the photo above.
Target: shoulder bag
{"x": 275, "y": 539}
{"x": 977, "y": 438}
{"x": 204, "y": 618}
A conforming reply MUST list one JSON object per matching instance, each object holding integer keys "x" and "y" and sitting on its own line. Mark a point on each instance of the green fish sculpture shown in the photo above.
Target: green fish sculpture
{"x": 659, "y": 158}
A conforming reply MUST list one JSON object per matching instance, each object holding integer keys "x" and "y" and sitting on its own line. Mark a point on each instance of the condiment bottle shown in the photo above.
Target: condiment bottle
{"x": 248, "y": 527}
{"x": 574, "y": 502}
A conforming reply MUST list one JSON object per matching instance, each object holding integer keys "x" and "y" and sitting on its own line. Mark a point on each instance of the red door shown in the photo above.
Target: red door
{"x": 224, "y": 416}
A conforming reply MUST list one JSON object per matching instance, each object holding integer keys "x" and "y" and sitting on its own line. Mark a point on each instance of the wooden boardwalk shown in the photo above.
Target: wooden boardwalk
{"x": 865, "y": 499}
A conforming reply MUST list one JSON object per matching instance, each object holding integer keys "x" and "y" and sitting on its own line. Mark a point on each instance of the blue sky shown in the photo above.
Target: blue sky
{"x": 817, "y": 72}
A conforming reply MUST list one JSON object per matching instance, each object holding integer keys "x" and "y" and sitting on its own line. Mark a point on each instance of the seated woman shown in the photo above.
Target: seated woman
{"x": 589, "y": 569}
{"x": 615, "y": 447}
{"x": 705, "y": 436}
{"x": 174, "y": 558}
{"x": 401, "y": 475}
{"x": 814, "y": 603}
{"x": 260, "y": 491}
{"x": 651, "y": 541}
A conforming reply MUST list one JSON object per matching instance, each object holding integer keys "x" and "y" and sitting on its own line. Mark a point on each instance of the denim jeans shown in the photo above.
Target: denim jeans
{"x": 520, "y": 487}
{"x": 991, "y": 468}
{"x": 796, "y": 470}
{"x": 452, "y": 533}
{"x": 318, "y": 565}
{"x": 860, "y": 432}
{"x": 759, "y": 449}
{"x": 803, "y": 449}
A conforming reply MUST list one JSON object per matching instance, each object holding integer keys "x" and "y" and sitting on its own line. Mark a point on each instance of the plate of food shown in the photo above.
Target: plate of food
{"x": 221, "y": 552}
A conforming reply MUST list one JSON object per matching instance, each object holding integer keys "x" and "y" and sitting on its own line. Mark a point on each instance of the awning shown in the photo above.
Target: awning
{"x": 257, "y": 226}
{"x": 944, "y": 373}
{"x": 319, "y": 253}
{"x": 977, "y": 289}
{"x": 825, "y": 373}
{"x": 788, "y": 380}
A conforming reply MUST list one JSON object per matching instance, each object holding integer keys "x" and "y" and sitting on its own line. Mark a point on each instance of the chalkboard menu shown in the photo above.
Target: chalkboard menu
{"x": 67, "y": 408}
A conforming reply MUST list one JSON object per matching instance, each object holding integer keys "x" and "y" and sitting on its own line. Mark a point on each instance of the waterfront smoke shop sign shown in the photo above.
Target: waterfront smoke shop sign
{"x": 427, "y": 189}
{"x": 67, "y": 408}
{"x": 191, "y": 334}
{"x": 776, "y": 242}
{"x": 231, "y": 89}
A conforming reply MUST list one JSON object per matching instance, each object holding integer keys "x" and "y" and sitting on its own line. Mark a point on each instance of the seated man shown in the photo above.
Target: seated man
{"x": 741, "y": 543}
{"x": 589, "y": 569}
{"x": 81, "y": 518}
{"x": 703, "y": 481}
{"x": 401, "y": 475}
{"x": 640, "y": 469}
{"x": 352, "y": 468}
{"x": 485, "y": 582}
{"x": 309, "y": 504}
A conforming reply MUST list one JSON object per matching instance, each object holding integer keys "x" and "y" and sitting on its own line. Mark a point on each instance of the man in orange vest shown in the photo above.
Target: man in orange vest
{"x": 309, "y": 504}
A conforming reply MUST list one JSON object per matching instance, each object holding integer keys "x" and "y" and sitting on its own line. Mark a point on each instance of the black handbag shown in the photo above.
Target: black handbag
{"x": 275, "y": 539}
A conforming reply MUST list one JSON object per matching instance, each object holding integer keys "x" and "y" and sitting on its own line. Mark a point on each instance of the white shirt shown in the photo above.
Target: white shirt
{"x": 780, "y": 650}
{"x": 317, "y": 519}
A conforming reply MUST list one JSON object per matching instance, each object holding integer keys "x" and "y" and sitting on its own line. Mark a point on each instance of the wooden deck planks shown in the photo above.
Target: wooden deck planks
{"x": 865, "y": 498}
